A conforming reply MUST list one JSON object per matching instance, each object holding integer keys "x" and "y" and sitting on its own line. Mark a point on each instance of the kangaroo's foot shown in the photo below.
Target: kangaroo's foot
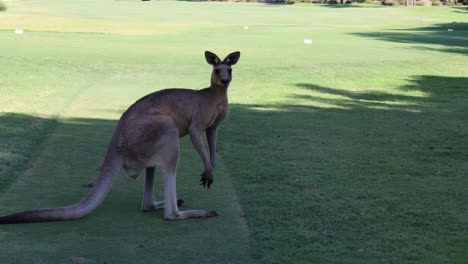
{"x": 190, "y": 214}
{"x": 155, "y": 205}
{"x": 171, "y": 210}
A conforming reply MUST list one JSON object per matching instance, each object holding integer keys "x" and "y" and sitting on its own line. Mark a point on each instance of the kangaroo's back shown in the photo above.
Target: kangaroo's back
{"x": 177, "y": 104}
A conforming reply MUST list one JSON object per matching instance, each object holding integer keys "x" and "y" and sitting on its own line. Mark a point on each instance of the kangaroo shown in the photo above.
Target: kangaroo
{"x": 147, "y": 136}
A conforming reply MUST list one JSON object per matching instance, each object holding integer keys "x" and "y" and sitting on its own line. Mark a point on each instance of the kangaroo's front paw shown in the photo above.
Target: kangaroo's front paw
{"x": 206, "y": 179}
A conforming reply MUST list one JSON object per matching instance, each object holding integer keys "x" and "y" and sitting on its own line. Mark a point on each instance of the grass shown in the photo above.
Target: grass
{"x": 352, "y": 149}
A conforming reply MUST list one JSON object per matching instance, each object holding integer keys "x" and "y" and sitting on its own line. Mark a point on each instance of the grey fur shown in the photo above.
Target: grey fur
{"x": 147, "y": 136}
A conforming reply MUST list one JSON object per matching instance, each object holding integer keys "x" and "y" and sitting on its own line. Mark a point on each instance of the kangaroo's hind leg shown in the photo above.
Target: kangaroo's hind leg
{"x": 149, "y": 203}
{"x": 168, "y": 163}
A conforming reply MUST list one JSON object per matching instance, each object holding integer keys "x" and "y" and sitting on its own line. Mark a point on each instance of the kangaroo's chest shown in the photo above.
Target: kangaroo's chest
{"x": 218, "y": 115}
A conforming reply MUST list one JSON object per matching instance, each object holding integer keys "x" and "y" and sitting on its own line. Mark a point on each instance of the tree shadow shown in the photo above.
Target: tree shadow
{"x": 451, "y": 37}
{"x": 343, "y": 166}
{"x": 461, "y": 9}
{"x": 349, "y": 99}
{"x": 23, "y": 136}
{"x": 47, "y": 162}
{"x": 321, "y": 181}
{"x": 428, "y": 88}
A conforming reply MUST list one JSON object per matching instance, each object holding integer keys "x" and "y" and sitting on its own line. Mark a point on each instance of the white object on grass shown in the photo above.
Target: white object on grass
{"x": 19, "y": 31}
{"x": 307, "y": 41}
{"x": 246, "y": 27}
{"x": 450, "y": 29}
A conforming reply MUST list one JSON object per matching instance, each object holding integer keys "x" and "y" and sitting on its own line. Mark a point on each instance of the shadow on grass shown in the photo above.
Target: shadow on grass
{"x": 461, "y": 9}
{"x": 455, "y": 41}
{"x": 56, "y": 159}
{"x": 23, "y": 136}
{"x": 359, "y": 99}
{"x": 322, "y": 183}
{"x": 428, "y": 88}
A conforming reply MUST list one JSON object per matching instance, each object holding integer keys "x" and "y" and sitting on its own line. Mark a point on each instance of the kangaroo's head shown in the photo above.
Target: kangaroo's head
{"x": 222, "y": 72}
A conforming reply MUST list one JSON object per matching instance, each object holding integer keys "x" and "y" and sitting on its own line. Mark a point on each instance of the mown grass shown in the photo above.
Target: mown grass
{"x": 349, "y": 150}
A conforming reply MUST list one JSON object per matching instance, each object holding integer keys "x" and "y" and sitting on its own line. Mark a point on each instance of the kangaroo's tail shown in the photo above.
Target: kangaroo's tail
{"x": 109, "y": 170}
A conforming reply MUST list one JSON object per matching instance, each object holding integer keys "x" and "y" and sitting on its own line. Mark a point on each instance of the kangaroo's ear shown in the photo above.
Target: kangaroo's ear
{"x": 232, "y": 58}
{"x": 211, "y": 58}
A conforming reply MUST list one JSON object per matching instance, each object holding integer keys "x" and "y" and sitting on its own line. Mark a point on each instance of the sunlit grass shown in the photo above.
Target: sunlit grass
{"x": 348, "y": 150}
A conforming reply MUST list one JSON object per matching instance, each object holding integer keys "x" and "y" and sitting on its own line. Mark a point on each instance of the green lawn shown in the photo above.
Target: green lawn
{"x": 353, "y": 149}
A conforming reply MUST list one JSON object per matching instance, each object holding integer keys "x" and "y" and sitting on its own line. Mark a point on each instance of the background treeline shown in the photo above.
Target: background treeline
{"x": 378, "y": 2}
{"x": 2, "y": 6}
